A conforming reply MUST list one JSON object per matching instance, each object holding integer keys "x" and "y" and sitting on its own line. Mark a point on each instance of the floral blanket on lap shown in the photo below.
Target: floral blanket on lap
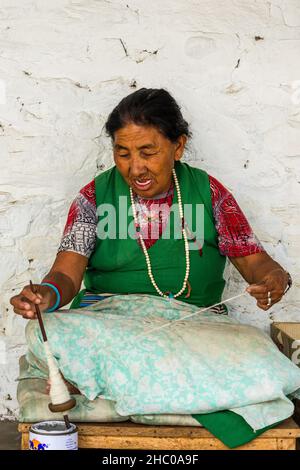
{"x": 200, "y": 364}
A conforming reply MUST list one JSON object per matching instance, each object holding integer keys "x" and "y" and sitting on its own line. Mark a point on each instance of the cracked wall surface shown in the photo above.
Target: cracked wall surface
{"x": 234, "y": 67}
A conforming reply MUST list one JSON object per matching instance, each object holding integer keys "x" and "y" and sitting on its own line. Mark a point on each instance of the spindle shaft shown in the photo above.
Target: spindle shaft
{"x": 59, "y": 393}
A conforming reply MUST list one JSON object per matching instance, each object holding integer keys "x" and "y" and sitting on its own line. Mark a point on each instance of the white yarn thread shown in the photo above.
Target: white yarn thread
{"x": 171, "y": 322}
{"x": 59, "y": 392}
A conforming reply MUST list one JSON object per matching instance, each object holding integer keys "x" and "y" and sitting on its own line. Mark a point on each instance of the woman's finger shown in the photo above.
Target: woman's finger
{"x": 256, "y": 289}
{"x": 22, "y": 305}
{"x": 266, "y": 295}
{"x": 22, "y": 311}
{"x": 275, "y": 299}
{"x": 265, "y": 304}
{"x": 15, "y": 300}
{"x": 22, "y": 302}
{"x": 31, "y": 296}
{"x": 28, "y": 314}
{"x": 31, "y": 316}
{"x": 261, "y": 296}
{"x": 274, "y": 296}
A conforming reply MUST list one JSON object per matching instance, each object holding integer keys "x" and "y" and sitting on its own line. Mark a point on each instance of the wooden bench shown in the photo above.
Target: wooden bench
{"x": 137, "y": 436}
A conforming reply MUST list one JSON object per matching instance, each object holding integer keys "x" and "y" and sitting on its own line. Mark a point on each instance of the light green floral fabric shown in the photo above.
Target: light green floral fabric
{"x": 33, "y": 403}
{"x": 33, "y": 400}
{"x": 201, "y": 364}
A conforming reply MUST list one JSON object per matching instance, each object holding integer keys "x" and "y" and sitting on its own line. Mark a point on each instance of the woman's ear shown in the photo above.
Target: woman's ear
{"x": 179, "y": 146}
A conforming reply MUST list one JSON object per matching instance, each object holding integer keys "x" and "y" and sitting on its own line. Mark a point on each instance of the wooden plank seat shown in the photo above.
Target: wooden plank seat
{"x": 137, "y": 436}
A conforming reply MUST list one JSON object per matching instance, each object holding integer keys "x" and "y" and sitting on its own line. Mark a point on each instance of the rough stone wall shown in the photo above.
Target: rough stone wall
{"x": 233, "y": 65}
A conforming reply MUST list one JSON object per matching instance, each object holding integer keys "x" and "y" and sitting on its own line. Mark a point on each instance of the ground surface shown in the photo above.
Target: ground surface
{"x": 9, "y": 436}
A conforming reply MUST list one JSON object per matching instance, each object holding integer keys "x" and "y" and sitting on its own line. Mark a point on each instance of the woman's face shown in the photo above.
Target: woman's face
{"x": 145, "y": 158}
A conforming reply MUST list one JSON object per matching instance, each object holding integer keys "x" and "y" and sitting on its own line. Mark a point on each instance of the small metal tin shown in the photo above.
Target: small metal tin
{"x": 53, "y": 435}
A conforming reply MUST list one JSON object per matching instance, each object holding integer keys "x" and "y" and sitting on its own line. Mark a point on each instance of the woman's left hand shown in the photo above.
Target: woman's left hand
{"x": 270, "y": 289}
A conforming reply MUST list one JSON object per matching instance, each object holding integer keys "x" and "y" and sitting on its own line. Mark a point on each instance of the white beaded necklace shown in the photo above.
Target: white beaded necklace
{"x": 186, "y": 244}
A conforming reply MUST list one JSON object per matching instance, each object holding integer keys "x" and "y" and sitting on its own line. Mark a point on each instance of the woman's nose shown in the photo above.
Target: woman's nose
{"x": 137, "y": 167}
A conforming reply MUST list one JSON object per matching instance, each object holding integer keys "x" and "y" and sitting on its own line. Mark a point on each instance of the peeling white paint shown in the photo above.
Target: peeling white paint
{"x": 233, "y": 66}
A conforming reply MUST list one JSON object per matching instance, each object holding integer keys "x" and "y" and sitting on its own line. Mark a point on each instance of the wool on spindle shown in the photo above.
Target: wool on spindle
{"x": 59, "y": 392}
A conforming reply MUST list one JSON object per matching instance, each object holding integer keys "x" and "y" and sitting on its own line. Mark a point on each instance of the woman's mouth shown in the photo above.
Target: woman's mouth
{"x": 142, "y": 185}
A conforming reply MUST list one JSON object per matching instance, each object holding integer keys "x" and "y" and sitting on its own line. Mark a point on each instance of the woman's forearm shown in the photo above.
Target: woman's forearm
{"x": 67, "y": 272}
{"x": 255, "y": 267}
{"x": 66, "y": 285}
{"x": 262, "y": 269}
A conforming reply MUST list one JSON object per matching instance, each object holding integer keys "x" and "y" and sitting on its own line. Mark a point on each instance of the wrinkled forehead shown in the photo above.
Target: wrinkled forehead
{"x": 134, "y": 136}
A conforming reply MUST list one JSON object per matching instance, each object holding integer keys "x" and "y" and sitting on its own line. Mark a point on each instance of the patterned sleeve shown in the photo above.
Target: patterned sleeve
{"x": 235, "y": 235}
{"x": 79, "y": 233}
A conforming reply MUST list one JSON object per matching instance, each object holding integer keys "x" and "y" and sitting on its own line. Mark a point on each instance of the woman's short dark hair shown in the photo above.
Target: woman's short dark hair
{"x": 149, "y": 107}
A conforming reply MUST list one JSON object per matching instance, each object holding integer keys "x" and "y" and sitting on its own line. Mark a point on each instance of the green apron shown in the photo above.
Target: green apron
{"x": 118, "y": 265}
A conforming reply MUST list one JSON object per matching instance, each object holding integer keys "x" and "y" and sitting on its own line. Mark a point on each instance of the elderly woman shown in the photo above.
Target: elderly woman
{"x": 149, "y": 135}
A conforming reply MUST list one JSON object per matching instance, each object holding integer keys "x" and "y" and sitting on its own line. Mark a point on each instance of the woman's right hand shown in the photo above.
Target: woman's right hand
{"x": 24, "y": 303}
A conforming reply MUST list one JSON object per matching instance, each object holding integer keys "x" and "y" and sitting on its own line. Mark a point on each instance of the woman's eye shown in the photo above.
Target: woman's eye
{"x": 148, "y": 154}
{"x": 123, "y": 154}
